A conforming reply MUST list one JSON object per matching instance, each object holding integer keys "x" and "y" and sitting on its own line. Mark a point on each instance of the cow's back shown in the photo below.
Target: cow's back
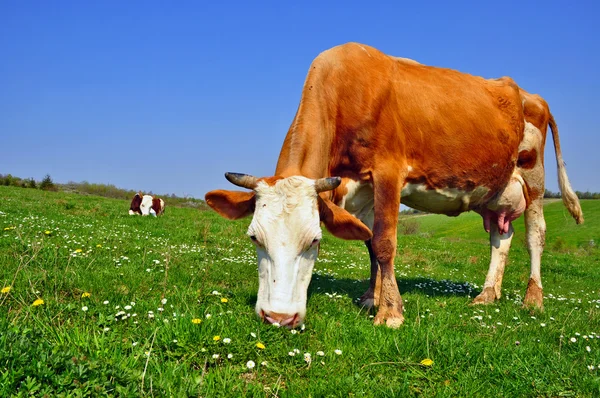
{"x": 362, "y": 111}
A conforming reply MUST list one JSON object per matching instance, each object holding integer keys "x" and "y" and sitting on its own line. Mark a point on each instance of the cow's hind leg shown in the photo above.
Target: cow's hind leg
{"x": 371, "y": 297}
{"x": 499, "y": 248}
{"x": 531, "y": 168}
{"x": 535, "y": 226}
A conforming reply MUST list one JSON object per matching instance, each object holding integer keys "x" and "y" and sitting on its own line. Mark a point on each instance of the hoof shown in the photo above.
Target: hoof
{"x": 367, "y": 303}
{"x": 534, "y": 297}
{"x": 392, "y": 319}
{"x": 487, "y": 296}
{"x": 368, "y": 300}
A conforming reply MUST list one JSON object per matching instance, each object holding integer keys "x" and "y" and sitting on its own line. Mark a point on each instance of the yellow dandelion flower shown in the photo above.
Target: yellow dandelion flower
{"x": 196, "y": 320}
{"x": 38, "y": 302}
{"x": 216, "y": 338}
{"x": 9, "y": 228}
{"x": 98, "y": 245}
{"x": 48, "y": 232}
{"x": 78, "y": 250}
{"x": 86, "y": 294}
{"x": 224, "y": 300}
{"x": 427, "y": 362}
{"x": 5, "y": 289}
{"x": 260, "y": 345}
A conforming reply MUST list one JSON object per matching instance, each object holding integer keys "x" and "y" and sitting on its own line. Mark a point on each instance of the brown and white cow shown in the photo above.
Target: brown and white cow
{"x": 373, "y": 130}
{"x": 146, "y": 205}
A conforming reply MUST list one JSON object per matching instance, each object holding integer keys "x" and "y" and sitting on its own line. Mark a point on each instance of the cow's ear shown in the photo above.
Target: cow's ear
{"x": 341, "y": 223}
{"x": 231, "y": 204}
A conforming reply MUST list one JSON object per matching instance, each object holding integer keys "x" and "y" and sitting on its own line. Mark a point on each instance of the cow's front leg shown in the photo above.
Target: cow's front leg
{"x": 387, "y": 204}
{"x": 499, "y": 247}
{"x": 371, "y": 297}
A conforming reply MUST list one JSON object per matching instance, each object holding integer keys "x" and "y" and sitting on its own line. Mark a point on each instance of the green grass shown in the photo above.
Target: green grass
{"x": 130, "y": 347}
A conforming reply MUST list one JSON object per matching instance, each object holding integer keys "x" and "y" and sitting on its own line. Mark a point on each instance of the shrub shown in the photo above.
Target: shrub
{"x": 47, "y": 184}
{"x": 408, "y": 226}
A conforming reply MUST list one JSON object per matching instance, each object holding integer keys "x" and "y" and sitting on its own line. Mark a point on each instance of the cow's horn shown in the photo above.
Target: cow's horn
{"x": 242, "y": 180}
{"x": 327, "y": 184}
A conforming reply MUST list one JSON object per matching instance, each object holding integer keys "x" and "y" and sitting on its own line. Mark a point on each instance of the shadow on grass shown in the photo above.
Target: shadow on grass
{"x": 353, "y": 288}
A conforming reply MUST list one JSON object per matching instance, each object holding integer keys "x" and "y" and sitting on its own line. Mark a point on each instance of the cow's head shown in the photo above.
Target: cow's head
{"x": 286, "y": 231}
{"x": 146, "y": 206}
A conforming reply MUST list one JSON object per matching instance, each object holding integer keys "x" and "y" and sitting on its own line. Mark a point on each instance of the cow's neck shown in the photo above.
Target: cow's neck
{"x": 307, "y": 145}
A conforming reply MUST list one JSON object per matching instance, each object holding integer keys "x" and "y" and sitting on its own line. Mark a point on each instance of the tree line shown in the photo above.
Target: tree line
{"x": 580, "y": 195}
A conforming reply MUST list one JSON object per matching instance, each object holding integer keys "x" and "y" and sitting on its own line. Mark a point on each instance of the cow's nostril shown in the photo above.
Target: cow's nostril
{"x": 280, "y": 319}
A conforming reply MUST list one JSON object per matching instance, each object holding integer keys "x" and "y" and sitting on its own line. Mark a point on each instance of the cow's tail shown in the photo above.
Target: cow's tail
{"x": 568, "y": 196}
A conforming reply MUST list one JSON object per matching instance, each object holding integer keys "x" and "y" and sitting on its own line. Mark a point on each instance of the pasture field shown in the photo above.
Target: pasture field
{"x": 163, "y": 307}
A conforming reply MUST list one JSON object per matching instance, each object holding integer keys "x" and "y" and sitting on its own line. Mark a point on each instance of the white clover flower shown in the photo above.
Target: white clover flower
{"x": 297, "y": 351}
{"x": 250, "y": 364}
{"x": 307, "y": 357}
{"x": 163, "y": 301}
{"x": 543, "y": 325}
{"x": 214, "y": 292}
{"x": 253, "y": 334}
{"x": 276, "y": 324}
{"x": 208, "y": 316}
{"x": 320, "y": 353}
{"x": 229, "y": 356}
{"x": 573, "y": 339}
{"x": 293, "y": 331}
{"x": 226, "y": 340}
{"x": 592, "y": 367}
{"x": 105, "y": 302}
{"x": 134, "y": 343}
{"x": 291, "y": 353}
{"x": 264, "y": 363}
{"x": 127, "y": 307}
{"x": 338, "y": 352}
{"x": 84, "y": 308}
{"x": 588, "y": 348}
{"x": 215, "y": 356}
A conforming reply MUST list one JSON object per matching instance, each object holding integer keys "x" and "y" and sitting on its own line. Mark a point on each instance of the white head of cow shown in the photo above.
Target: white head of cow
{"x": 286, "y": 231}
{"x": 146, "y": 206}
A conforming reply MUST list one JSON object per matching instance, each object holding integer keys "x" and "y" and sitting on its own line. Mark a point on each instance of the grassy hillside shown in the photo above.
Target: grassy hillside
{"x": 163, "y": 306}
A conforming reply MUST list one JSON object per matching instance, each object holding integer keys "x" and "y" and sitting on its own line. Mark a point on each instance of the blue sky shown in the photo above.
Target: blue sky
{"x": 167, "y": 96}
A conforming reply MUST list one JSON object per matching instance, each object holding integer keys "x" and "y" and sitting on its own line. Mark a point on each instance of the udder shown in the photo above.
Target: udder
{"x": 507, "y": 206}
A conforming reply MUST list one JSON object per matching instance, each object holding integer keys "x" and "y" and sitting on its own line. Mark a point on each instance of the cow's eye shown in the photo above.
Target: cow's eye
{"x": 315, "y": 241}
{"x": 253, "y": 238}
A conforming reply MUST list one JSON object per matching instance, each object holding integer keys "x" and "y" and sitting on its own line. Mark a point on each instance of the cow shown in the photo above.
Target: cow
{"x": 146, "y": 205}
{"x": 373, "y": 131}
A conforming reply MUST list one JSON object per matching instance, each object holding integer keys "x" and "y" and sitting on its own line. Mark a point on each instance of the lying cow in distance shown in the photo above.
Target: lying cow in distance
{"x": 146, "y": 205}
{"x": 373, "y": 130}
